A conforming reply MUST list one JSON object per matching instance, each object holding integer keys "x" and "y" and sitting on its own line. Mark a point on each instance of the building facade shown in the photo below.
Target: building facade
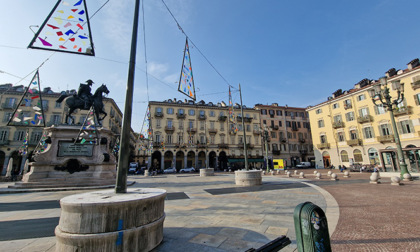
{"x": 289, "y": 134}
{"x": 11, "y": 137}
{"x": 198, "y": 134}
{"x": 349, "y": 128}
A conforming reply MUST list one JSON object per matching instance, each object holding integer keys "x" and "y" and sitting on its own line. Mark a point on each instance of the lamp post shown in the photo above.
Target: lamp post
{"x": 382, "y": 95}
{"x": 265, "y": 137}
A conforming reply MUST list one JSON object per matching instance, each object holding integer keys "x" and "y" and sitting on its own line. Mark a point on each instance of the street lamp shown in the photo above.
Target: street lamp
{"x": 382, "y": 95}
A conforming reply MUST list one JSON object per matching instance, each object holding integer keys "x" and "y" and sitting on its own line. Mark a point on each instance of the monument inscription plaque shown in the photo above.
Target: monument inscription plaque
{"x": 70, "y": 149}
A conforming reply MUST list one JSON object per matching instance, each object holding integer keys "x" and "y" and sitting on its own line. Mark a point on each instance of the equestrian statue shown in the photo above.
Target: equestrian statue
{"x": 84, "y": 100}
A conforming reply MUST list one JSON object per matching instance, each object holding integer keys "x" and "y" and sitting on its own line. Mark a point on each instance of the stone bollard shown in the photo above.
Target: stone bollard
{"x": 278, "y": 172}
{"x": 334, "y": 177}
{"x": 272, "y": 173}
{"x": 407, "y": 177}
{"x": 347, "y": 174}
{"x": 374, "y": 178}
{"x": 395, "y": 180}
{"x": 329, "y": 173}
{"x": 263, "y": 173}
{"x": 318, "y": 175}
{"x": 288, "y": 174}
{"x": 296, "y": 172}
{"x": 315, "y": 172}
{"x": 205, "y": 172}
{"x": 146, "y": 173}
{"x": 248, "y": 178}
{"x": 301, "y": 175}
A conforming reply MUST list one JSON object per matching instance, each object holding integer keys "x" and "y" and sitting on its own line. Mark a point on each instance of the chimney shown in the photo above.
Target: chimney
{"x": 412, "y": 64}
{"x": 391, "y": 72}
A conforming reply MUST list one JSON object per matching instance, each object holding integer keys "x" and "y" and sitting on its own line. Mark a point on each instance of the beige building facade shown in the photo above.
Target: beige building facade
{"x": 289, "y": 134}
{"x": 198, "y": 134}
{"x": 11, "y": 137}
{"x": 350, "y": 129}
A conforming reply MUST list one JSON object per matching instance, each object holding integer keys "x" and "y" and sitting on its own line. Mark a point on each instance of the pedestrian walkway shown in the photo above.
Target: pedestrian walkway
{"x": 212, "y": 214}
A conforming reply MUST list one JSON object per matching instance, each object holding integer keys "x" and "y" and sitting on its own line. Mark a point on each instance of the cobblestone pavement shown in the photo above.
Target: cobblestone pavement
{"x": 211, "y": 214}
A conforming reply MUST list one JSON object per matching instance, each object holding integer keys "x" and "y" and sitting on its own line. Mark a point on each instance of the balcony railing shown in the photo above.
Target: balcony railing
{"x": 223, "y": 146}
{"x": 337, "y": 125}
{"x": 294, "y": 129}
{"x": 8, "y": 105}
{"x": 301, "y": 140}
{"x": 4, "y": 142}
{"x": 303, "y": 152}
{"x": 201, "y": 145}
{"x": 365, "y": 119}
{"x": 323, "y": 146}
{"x": 201, "y": 117}
{"x": 158, "y": 114}
{"x": 353, "y": 142}
{"x": 348, "y": 106}
{"x": 403, "y": 111}
{"x": 274, "y": 127}
{"x": 222, "y": 118}
{"x": 180, "y": 116}
{"x": 212, "y": 131}
{"x": 386, "y": 139}
{"x": 283, "y": 140}
{"x": 169, "y": 128}
{"x": 256, "y": 132}
{"x": 191, "y": 130}
{"x": 276, "y": 152}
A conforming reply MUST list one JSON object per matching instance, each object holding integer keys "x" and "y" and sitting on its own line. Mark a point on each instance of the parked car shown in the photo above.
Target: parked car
{"x": 170, "y": 170}
{"x": 191, "y": 169}
{"x": 304, "y": 165}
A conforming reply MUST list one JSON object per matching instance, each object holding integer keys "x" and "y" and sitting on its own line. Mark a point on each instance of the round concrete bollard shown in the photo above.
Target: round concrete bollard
{"x": 315, "y": 172}
{"x": 318, "y": 175}
{"x": 407, "y": 177}
{"x": 329, "y": 173}
{"x": 248, "y": 178}
{"x": 107, "y": 221}
{"x": 278, "y": 172}
{"x": 347, "y": 174}
{"x": 395, "y": 180}
{"x": 374, "y": 178}
{"x": 206, "y": 172}
{"x": 296, "y": 172}
{"x": 273, "y": 172}
{"x": 334, "y": 176}
{"x": 146, "y": 173}
{"x": 288, "y": 174}
{"x": 301, "y": 175}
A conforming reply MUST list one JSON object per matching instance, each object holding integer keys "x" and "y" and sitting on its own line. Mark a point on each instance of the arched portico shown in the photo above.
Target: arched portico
{"x": 191, "y": 159}
{"x": 212, "y": 159}
{"x": 156, "y": 160}
{"x": 222, "y": 161}
{"x": 201, "y": 160}
{"x": 168, "y": 160}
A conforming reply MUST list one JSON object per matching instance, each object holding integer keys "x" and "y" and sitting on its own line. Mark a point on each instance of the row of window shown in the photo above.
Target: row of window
{"x": 290, "y": 147}
{"x": 404, "y": 127}
{"x": 191, "y": 139}
{"x": 358, "y": 157}
{"x": 272, "y": 112}
{"x": 289, "y": 124}
{"x": 191, "y": 112}
{"x": 20, "y": 135}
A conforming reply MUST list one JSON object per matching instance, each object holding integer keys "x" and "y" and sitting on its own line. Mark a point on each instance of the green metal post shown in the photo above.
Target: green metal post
{"x": 124, "y": 153}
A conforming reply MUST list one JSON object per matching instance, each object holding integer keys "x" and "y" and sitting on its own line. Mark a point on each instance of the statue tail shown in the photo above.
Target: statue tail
{"x": 62, "y": 97}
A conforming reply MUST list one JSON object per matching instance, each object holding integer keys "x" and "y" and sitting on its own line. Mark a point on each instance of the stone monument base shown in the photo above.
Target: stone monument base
{"x": 64, "y": 163}
{"x": 206, "y": 172}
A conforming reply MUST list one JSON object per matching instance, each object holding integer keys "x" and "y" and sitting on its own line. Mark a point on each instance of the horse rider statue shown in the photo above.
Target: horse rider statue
{"x": 85, "y": 94}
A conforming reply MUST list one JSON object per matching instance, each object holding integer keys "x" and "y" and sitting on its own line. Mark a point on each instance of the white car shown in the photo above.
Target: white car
{"x": 170, "y": 170}
{"x": 191, "y": 169}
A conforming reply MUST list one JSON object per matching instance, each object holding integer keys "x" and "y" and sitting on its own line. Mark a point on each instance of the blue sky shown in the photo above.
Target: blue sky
{"x": 289, "y": 52}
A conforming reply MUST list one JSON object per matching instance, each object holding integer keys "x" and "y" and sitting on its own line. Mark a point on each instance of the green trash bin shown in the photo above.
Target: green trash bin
{"x": 311, "y": 228}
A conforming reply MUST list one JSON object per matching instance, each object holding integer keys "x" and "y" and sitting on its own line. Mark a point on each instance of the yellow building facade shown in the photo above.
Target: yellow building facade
{"x": 350, "y": 129}
{"x": 198, "y": 134}
{"x": 11, "y": 137}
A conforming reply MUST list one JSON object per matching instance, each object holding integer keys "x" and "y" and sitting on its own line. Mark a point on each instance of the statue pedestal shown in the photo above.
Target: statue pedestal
{"x": 65, "y": 164}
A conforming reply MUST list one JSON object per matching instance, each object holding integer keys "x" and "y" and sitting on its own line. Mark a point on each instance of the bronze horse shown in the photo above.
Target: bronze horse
{"x": 74, "y": 102}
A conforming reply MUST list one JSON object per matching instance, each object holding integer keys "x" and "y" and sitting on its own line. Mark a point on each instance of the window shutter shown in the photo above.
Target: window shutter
{"x": 399, "y": 128}
{"x": 416, "y": 99}
{"x": 376, "y": 110}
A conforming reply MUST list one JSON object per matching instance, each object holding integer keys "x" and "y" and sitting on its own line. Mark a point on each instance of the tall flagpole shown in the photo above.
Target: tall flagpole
{"x": 124, "y": 154}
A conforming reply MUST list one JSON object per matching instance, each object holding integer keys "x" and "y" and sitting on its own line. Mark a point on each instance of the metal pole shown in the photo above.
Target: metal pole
{"x": 124, "y": 154}
{"x": 243, "y": 129}
{"x": 403, "y": 165}
{"x": 266, "y": 147}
